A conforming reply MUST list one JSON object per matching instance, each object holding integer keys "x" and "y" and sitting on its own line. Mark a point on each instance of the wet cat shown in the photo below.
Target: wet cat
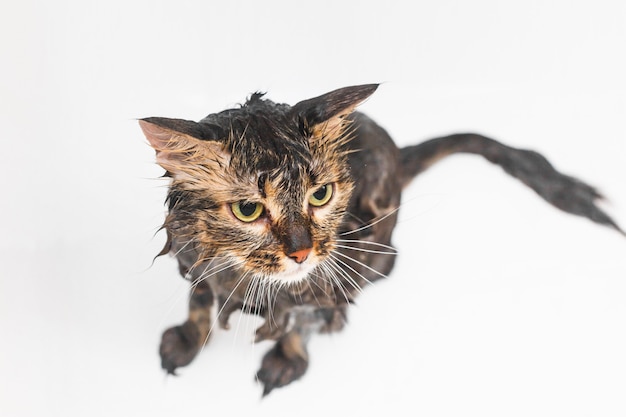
{"x": 288, "y": 211}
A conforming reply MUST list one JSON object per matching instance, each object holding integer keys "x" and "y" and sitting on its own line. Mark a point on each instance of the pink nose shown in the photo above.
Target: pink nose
{"x": 300, "y": 255}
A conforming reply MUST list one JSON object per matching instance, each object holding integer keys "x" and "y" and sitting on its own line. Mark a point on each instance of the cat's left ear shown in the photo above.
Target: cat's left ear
{"x": 324, "y": 115}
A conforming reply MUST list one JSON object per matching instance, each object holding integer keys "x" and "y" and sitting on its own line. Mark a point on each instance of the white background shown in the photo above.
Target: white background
{"x": 499, "y": 305}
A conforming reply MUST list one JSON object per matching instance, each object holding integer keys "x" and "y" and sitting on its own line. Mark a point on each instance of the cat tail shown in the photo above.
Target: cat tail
{"x": 564, "y": 192}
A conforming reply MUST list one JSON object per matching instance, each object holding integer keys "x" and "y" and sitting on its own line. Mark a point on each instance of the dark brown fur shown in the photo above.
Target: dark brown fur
{"x": 278, "y": 155}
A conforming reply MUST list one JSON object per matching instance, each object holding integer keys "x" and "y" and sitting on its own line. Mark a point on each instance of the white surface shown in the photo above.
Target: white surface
{"x": 499, "y": 304}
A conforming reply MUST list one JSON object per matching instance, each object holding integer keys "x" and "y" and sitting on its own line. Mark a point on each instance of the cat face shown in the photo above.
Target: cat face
{"x": 262, "y": 188}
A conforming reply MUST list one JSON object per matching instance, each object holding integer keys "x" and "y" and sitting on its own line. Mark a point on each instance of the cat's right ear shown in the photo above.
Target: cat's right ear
{"x": 181, "y": 144}
{"x": 324, "y": 115}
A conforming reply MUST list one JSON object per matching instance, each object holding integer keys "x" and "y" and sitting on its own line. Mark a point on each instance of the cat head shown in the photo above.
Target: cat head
{"x": 263, "y": 187}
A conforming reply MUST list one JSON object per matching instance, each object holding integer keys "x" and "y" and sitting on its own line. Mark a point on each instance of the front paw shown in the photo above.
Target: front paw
{"x": 334, "y": 319}
{"x": 286, "y": 362}
{"x": 179, "y": 345}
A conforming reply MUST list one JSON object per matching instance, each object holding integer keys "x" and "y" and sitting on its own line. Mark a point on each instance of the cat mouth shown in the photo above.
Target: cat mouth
{"x": 294, "y": 272}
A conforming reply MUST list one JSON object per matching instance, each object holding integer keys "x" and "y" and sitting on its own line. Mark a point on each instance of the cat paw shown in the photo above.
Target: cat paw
{"x": 286, "y": 362}
{"x": 269, "y": 330}
{"x": 179, "y": 345}
{"x": 334, "y": 319}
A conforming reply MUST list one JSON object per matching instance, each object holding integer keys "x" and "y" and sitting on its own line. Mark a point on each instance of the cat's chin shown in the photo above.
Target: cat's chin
{"x": 294, "y": 273}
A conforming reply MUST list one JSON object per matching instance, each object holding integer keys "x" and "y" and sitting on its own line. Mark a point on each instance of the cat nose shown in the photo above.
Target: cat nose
{"x": 300, "y": 255}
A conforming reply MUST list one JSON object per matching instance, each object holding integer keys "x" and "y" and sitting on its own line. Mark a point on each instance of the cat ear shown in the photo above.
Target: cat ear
{"x": 181, "y": 144}
{"x": 325, "y": 114}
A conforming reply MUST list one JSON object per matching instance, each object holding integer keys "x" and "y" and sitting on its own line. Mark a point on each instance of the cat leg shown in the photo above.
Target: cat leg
{"x": 180, "y": 344}
{"x": 288, "y": 360}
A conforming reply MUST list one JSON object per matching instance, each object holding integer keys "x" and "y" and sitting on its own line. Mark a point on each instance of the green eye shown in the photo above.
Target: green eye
{"x": 247, "y": 212}
{"x": 321, "y": 196}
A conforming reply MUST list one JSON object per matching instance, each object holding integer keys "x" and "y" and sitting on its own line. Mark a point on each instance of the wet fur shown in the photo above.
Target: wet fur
{"x": 279, "y": 154}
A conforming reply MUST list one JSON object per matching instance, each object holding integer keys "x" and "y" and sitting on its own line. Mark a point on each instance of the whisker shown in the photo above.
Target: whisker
{"x": 320, "y": 276}
{"x": 355, "y": 217}
{"x": 251, "y": 303}
{"x": 299, "y": 286}
{"x": 201, "y": 261}
{"x": 263, "y": 297}
{"x": 243, "y": 307}
{"x": 217, "y": 316}
{"x": 273, "y": 288}
{"x": 323, "y": 273}
{"x": 367, "y": 242}
{"x": 358, "y": 263}
{"x": 365, "y": 250}
{"x": 367, "y": 226}
{"x": 405, "y": 202}
{"x": 179, "y": 251}
{"x": 335, "y": 271}
{"x": 180, "y": 296}
{"x": 207, "y": 273}
{"x": 206, "y": 269}
{"x": 312, "y": 291}
{"x": 346, "y": 275}
{"x": 426, "y": 202}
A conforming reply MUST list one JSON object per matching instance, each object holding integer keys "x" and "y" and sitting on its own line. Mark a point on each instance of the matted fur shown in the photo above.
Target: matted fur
{"x": 299, "y": 265}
